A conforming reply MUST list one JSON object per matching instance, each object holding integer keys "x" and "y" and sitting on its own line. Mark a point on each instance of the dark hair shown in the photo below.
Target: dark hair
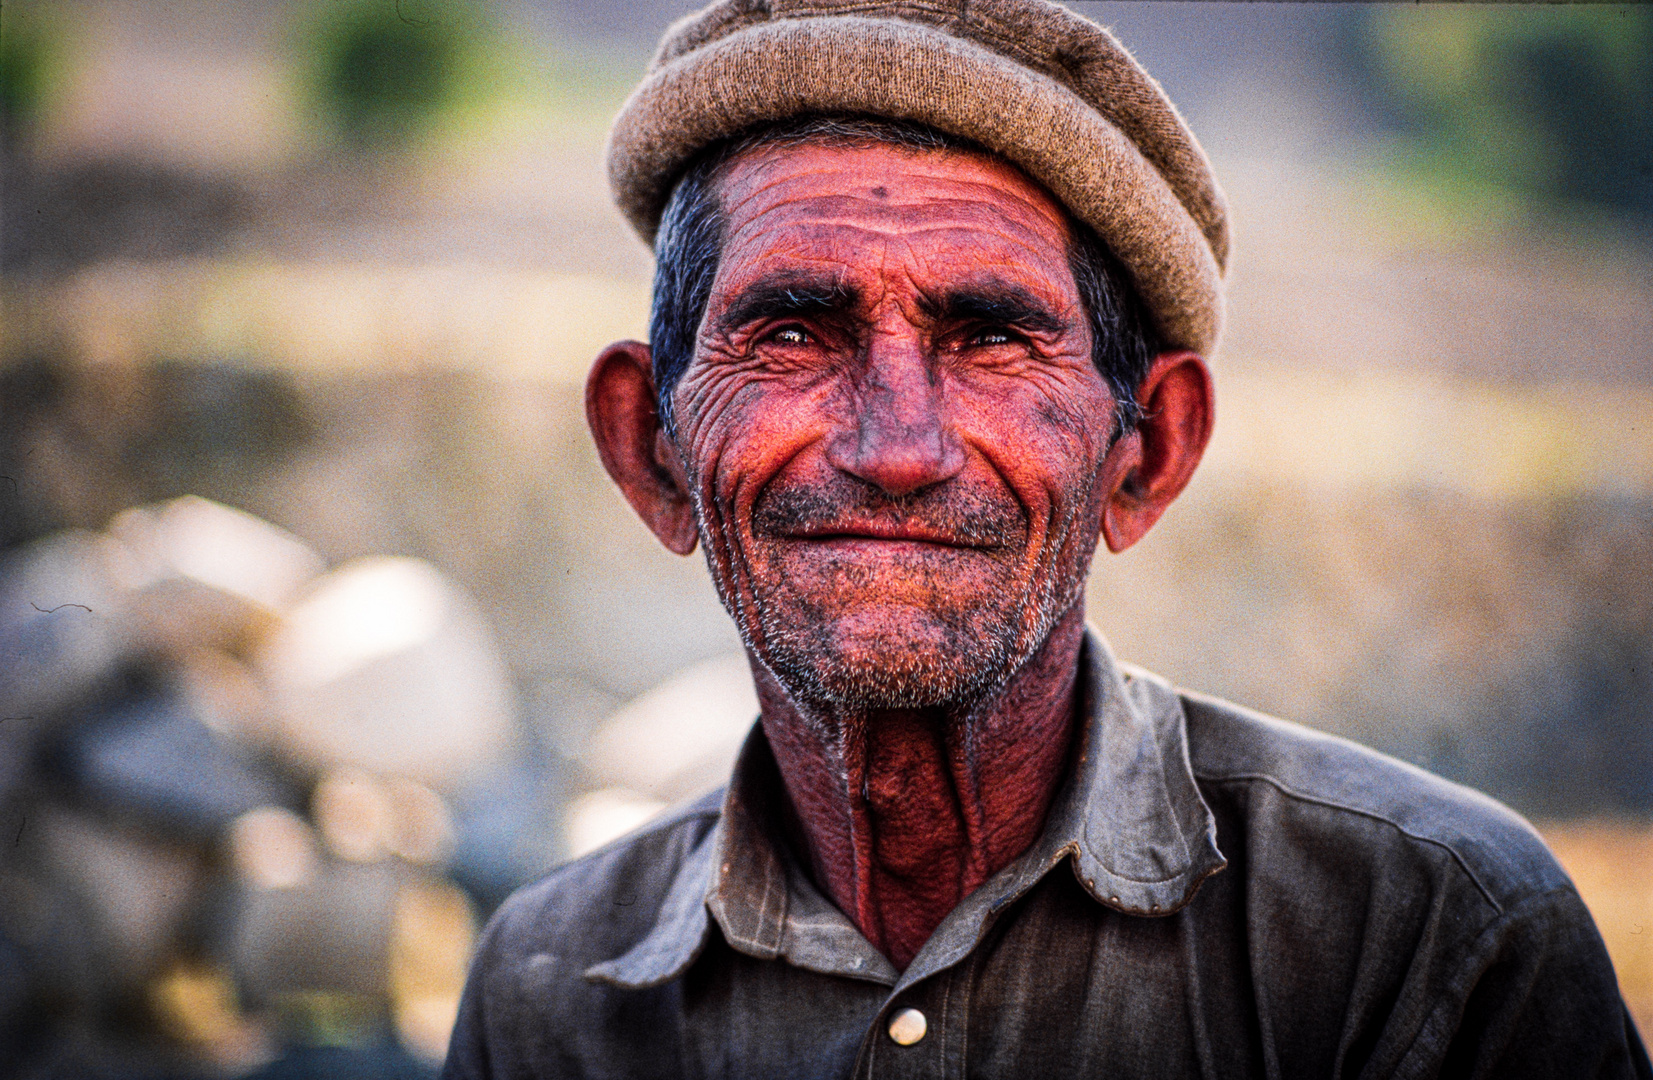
{"x": 689, "y": 246}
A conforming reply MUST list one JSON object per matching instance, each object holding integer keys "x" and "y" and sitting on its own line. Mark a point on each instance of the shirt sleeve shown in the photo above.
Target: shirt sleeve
{"x": 1537, "y": 998}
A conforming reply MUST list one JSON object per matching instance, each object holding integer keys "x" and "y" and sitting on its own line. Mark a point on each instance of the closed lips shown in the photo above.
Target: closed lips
{"x": 959, "y": 518}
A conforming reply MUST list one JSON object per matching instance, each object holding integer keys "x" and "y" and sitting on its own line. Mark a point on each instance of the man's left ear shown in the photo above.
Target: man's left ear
{"x": 1149, "y": 467}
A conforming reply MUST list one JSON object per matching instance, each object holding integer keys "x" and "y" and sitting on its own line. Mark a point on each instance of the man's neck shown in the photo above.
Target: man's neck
{"x": 903, "y": 813}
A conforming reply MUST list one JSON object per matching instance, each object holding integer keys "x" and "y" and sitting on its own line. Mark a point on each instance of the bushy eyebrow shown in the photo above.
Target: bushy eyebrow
{"x": 768, "y": 298}
{"x": 1002, "y": 303}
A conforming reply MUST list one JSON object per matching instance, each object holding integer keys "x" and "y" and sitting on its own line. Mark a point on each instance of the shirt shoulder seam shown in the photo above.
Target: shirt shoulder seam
{"x": 1320, "y": 800}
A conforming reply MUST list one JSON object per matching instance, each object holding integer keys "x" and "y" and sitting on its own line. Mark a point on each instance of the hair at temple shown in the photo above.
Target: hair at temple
{"x": 690, "y": 244}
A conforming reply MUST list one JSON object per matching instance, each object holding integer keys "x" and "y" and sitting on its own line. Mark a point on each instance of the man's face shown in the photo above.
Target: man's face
{"x": 891, "y": 426}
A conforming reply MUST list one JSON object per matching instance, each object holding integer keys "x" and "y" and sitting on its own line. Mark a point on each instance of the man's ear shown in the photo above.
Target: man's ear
{"x": 1155, "y": 462}
{"x": 625, "y": 424}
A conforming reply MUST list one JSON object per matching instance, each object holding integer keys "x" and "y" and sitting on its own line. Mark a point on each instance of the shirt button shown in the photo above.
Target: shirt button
{"x": 908, "y": 1026}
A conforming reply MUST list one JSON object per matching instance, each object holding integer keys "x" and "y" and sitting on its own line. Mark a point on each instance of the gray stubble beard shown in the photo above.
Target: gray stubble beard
{"x": 971, "y": 669}
{"x": 835, "y": 696}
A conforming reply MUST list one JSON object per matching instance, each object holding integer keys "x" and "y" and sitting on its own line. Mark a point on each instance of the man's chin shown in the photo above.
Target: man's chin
{"x": 870, "y": 662}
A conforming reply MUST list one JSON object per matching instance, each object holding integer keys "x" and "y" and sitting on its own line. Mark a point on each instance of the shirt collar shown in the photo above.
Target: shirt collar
{"x": 1140, "y": 837}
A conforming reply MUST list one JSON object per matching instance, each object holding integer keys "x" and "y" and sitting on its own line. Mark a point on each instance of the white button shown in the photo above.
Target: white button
{"x": 908, "y": 1026}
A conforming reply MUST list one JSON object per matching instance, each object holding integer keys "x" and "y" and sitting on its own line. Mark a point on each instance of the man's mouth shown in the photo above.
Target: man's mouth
{"x": 937, "y": 521}
{"x": 884, "y": 532}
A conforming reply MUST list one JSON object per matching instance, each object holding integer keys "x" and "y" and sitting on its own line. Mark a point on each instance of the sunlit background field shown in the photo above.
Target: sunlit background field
{"x": 321, "y": 629}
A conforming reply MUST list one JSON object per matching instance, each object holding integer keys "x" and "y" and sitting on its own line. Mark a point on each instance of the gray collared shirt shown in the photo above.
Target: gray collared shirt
{"x": 1216, "y": 894}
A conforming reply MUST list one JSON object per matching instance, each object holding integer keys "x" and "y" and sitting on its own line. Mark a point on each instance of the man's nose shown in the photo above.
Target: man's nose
{"x": 901, "y": 441}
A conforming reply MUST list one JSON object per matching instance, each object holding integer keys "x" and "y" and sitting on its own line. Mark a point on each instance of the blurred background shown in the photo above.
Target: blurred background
{"x": 321, "y": 628}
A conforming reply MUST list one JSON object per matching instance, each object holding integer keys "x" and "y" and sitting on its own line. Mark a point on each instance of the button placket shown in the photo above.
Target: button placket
{"x": 952, "y": 1022}
{"x": 922, "y": 1030}
{"x": 905, "y": 1041}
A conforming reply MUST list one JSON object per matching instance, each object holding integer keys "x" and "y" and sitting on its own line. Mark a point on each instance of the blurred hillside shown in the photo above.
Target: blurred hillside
{"x": 343, "y": 266}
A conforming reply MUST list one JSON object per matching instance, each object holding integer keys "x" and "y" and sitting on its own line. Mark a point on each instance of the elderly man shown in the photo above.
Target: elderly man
{"x": 934, "y": 286}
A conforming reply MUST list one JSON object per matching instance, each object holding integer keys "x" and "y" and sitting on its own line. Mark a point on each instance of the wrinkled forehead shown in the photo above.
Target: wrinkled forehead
{"x": 832, "y": 205}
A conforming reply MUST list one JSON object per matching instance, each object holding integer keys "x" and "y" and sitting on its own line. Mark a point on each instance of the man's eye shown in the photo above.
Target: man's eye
{"x": 790, "y": 335}
{"x": 993, "y": 336}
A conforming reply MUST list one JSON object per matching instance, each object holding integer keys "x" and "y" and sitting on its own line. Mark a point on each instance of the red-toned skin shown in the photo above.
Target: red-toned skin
{"x": 904, "y": 496}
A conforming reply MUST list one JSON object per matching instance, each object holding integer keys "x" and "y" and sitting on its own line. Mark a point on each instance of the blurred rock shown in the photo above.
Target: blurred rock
{"x": 357, "y": 948}
{"x": 273, "y": 848}
{"x": 382, "y": 1061}
{"x": 597, "y": 817}
{"x": 218, "y": 546}
{"x": 135, "y": 889}
{"x": 149, "y": 760}
{"x": 421, "y": 826}
{"x": 388, "y": 666}
{"x": 364, "y": 818}
{"x": 670, "y": 744}
{"x": 353, "y": 813}
{"x": 166, "y": 579}
{"x": 205, "y": 574}
{"x": 59, "y": 628}
{"x": 680, "y": 738}
{"x": 224, "y": 692}
{"x": 331, "y": 934}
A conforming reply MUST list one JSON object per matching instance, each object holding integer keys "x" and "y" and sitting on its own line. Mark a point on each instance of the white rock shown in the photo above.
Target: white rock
{"x": 388, "y": 666}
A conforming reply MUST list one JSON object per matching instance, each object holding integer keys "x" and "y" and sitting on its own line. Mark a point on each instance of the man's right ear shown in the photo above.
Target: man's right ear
{"x": 625, "y": 423}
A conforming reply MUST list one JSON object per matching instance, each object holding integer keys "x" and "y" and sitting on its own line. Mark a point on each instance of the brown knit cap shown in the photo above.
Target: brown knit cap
{"x": 1049, "y": 90}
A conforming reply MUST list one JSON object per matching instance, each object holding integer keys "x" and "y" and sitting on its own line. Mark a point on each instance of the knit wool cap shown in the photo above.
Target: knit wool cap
{"x": 1049, "y": 90}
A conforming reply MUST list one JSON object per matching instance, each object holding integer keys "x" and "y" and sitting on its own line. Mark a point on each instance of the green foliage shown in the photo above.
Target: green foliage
{"x": 385, "y": 69}
{"x": 22, "y": 74}
{"x": 1555, "y": 102}
{"x": 393, "y": 74}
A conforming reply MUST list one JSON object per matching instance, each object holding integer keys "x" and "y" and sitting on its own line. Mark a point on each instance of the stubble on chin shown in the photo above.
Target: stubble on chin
{"x": 953, "y": 669}
{"x": 950, "y": 660}
{"x": 838, "y": 645}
